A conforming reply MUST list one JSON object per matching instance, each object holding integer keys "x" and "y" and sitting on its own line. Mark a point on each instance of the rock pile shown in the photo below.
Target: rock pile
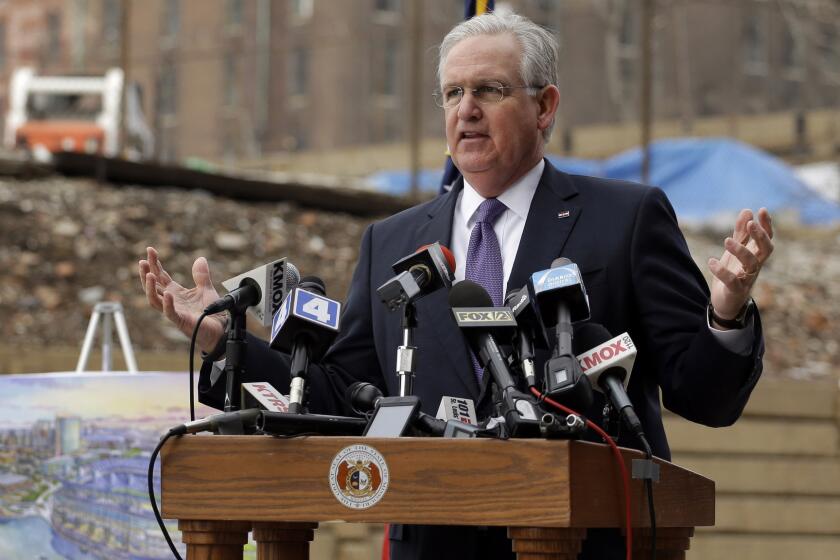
{"x": 68, "y": 244}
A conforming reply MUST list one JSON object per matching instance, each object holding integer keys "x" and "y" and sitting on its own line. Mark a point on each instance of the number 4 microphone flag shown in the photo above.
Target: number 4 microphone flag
{"x": 450, "y": 172}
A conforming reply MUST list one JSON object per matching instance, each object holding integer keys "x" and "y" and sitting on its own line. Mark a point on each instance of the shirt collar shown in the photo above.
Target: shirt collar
{"x": 517, "y": 197}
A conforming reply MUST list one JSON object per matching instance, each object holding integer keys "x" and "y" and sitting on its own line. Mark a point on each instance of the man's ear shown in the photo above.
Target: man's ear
{"x": 548, "y": 102}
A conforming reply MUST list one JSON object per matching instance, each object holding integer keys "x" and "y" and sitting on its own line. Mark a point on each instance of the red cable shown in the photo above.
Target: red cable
{"x": 386, "y": 543}
{"x": 625, "y": 478}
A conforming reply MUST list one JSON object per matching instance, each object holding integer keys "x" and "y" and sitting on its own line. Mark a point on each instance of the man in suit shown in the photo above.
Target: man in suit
{"x": 511, "y": 215}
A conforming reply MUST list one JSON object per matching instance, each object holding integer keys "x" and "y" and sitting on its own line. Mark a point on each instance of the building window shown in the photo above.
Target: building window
{"x": 298, "y": 71}
{"x": 387, "y": 5}
{"x": 167, "y": 89}
{"x": 829, "y": 50}
{"x": 296, "y": 137}
{"x": 111, "y": 23}
{"x": 389, "y": 69}
{"x": 793, "y": 50}
{"x": 755, "y": 43}
{"x": 231, "y": 80}
{"x": 2, "y": 45}
{"x": 628, "y": 31}
{"x": 53, "y": 37}
{"x": 627, "y": 60}
{"x": 234, "y": 12}
{"x": 301, "y": 138}
{"x": 391, "y": 126}
{"x": 386, "y": 12}
{"x": 171, "y": 18}
{"x": 300, "y": 9}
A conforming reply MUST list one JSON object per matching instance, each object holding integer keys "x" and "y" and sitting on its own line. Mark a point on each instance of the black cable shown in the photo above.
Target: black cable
{"x": 649, "y": 487}
{"x": 174, "y": 550}
{"x": 192, "y": 366}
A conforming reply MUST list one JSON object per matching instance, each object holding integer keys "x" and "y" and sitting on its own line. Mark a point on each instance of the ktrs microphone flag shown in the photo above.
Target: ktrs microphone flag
{"x": 450, "y": 172}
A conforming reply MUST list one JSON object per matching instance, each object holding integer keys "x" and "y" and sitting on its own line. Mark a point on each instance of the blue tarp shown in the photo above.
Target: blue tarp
{"x": 703, "y": 178}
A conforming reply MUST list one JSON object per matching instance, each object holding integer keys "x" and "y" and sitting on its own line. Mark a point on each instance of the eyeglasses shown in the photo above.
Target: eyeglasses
{"x": 491, "y": 92}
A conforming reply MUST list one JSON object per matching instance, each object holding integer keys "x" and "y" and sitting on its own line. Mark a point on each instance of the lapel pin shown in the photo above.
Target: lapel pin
{"x": 563, "y": 214}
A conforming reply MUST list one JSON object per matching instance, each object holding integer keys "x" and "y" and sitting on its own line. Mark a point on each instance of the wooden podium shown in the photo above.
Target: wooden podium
{"x": 547, "y": 492}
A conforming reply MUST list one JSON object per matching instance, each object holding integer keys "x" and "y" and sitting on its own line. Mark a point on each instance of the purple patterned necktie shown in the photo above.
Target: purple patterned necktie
{"x": 484, "y": 258}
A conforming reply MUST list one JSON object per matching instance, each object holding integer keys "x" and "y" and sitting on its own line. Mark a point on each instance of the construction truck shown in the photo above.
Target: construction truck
{"x": 51, "y": 114}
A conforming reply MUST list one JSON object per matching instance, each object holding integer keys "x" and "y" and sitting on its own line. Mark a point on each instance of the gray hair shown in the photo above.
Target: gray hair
{"x": 539, "y": 47}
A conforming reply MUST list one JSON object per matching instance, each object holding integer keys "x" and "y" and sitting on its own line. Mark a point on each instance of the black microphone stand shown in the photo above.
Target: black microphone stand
{"x": 299, "y": 370}
{"x": 234, "y": 356}
{"x": 405, "y": 353}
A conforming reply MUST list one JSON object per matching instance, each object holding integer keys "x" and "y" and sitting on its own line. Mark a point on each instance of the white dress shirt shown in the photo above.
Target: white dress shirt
{"x": 508, "y": 226}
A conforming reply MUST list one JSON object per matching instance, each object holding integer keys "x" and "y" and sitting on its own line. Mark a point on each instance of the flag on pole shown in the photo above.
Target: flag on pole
{"x": 477, "y": 7}
{"x": 450, "y": 172}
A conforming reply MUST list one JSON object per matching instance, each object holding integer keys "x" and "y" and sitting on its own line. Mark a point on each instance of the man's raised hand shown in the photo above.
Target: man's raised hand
{"x": 183, "y": 306}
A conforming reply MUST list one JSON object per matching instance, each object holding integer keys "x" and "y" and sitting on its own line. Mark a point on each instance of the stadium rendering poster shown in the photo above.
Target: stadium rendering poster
{"x": 74, "y": 456}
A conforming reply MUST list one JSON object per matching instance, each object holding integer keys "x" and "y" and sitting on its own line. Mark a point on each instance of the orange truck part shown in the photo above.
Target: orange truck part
{"x": 58, "y": 136}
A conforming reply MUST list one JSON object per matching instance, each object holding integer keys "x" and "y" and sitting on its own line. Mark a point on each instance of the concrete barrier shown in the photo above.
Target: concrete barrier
{"x": 777, "y": 472}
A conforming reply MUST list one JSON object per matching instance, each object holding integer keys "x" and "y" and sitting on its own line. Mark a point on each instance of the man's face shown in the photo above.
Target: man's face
{"x": 492, "y": 144}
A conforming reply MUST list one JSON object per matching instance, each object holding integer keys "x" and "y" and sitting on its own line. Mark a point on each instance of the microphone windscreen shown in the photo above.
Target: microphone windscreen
{"x": 313, "y": 284}
{"x": 512, "y": 297}
{"x": 467, "y": 293}
{"x": 589, "y": 335}
{"x": 450, "y": 258}
{"x": 362, "y": 395}
{"x": 292, "y": 276}
{"x": 560, "y": 261}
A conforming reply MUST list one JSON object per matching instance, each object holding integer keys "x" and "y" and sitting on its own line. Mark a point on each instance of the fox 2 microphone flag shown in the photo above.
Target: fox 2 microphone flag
{"x": 450, "y": 172}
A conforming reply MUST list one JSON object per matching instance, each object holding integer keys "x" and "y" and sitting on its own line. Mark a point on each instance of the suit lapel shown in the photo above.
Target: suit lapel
{"x": 551, "y": 218}
{"x": 434, "y": 310}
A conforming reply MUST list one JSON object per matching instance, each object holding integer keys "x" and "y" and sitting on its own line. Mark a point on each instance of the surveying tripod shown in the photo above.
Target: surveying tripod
{"x": 108, "y": 311}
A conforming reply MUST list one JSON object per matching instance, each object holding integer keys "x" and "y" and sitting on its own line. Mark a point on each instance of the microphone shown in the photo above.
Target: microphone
{"x": 362, "y": 396}
{"x": 365, "y": 397}
{"x": 608, "y": 363}
{"x": 530, "y": 331}
{"x": 562, "y": 300}
{"x": 227, "y": 423}
{"x": 482, "y": 324}
{"x": 457, "y": 408}
{"x": 261, "y": 290}
{"x": 304, "y": 326}
{"x": 425, "y": 271}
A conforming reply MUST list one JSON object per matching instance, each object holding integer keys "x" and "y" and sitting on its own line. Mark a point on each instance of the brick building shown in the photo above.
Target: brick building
{"x": 228, "y": 79}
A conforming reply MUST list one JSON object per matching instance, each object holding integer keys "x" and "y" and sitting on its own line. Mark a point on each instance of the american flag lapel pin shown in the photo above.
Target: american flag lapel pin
{"x": 563, "y": 214}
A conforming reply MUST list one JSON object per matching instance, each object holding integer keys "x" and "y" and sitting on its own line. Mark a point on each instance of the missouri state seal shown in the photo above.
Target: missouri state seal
{"x": 358, "y": 476}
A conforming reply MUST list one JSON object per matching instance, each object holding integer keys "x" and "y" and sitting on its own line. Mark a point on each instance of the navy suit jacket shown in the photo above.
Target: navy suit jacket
{"x": 640, "y": 279}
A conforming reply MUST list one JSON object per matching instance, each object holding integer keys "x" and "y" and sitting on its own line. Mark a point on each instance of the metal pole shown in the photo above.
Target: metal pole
{"x": 405, "y": 353}
{"x": 107, "y": 339}
{"x": 682, "y": 64}
{"x": 414, "y": 94}
{"x": 125, "y": 341}
{"x": 125, "y": 9}
{"x": 88, "y": 342}
{"x": 262, "y": 75}
{"x": 646, "y": 112}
